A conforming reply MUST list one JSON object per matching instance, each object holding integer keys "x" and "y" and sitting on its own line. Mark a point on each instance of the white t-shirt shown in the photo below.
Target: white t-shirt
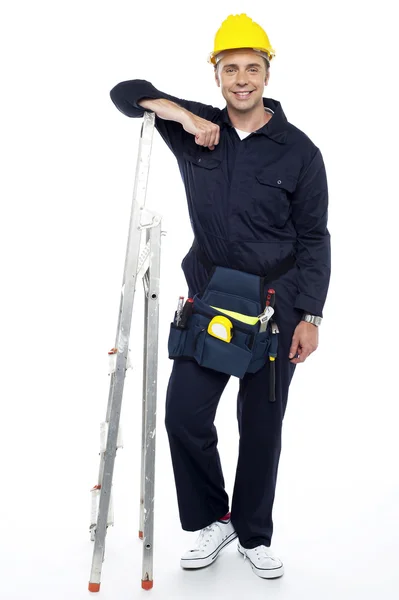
{"x": 244, "y": 134}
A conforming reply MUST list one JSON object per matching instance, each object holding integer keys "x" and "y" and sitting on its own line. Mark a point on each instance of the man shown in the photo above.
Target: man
{"x": 257, "y": 192}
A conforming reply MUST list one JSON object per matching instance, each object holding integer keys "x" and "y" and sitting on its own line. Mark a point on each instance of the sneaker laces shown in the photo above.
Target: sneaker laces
{"x": 204, "y": 532}
{"x": 262, "y": 552}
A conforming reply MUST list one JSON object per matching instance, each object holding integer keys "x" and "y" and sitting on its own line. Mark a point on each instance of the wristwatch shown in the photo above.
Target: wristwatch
{"x": 315, "y": 320}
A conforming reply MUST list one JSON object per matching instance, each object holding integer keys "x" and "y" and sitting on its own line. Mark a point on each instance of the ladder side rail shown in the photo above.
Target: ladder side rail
{"x": 151, "y": 404}
{"x": 122, "y": 343}
{"x": 144, "y": 395}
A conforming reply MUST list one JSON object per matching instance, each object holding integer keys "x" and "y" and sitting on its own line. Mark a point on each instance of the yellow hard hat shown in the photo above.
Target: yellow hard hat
{"x": 240, "y": 31}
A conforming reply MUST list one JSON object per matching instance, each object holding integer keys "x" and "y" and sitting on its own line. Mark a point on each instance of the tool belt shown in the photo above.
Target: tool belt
{"x": 227, "y": 328}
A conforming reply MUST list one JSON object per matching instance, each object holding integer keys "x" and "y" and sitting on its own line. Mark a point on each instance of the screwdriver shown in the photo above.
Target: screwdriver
{"x": 186, "y": 313}
{"x": 270, "y": 301}
{"x": 179, "y": 310}
{"x": 271, "y": 297}
{"x": 272, "y": 362}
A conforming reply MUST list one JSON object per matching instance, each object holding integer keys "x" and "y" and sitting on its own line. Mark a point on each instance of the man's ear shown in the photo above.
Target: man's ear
{"x": 267, "y": 77}
{"x": 217, "y": 78}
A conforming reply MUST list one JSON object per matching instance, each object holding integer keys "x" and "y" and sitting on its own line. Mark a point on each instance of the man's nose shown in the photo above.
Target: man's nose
{"x": 242, "y": 79}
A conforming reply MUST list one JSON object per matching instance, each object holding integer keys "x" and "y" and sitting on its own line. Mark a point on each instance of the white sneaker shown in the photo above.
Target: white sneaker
{"x": 209, "y": 543}
{"x": 263, "y": 561}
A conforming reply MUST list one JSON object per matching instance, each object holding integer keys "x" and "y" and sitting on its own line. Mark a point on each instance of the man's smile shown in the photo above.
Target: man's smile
{"x": 243, "y": 95}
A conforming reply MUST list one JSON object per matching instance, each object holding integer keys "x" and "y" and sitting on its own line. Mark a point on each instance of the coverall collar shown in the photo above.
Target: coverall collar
{"x": 275, "y": 129}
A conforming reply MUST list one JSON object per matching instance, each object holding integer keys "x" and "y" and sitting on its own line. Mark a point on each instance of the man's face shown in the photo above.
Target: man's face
{"x": 241, "y": 76}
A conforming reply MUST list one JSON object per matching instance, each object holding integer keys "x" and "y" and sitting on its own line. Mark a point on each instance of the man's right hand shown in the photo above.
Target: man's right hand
{"x": 206, "y": 133}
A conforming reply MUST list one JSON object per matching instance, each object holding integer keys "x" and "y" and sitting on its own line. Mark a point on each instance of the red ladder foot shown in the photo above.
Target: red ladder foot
{"x": 94, "y": 587}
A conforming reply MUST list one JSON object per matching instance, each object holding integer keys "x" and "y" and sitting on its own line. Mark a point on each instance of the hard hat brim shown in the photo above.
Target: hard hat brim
{"x": 212, "y": 59}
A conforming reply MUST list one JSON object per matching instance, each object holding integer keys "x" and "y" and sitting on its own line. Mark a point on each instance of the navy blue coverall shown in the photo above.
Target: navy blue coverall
{"x": 251, "y": 203}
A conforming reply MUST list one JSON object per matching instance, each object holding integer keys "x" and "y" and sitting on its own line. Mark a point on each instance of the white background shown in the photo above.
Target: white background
{"x": 68, "y": 163}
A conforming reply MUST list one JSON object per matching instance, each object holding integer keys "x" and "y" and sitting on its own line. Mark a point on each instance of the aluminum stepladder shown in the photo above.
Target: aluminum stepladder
{"x": 145, "y": 264}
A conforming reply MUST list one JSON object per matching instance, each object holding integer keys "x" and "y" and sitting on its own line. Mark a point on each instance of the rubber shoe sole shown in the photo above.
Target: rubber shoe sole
{"x": 264, "y": 573}
{"x": 204, "y": 561}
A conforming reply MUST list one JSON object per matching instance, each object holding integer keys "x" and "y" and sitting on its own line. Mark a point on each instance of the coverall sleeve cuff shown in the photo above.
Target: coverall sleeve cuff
{"x": 309, "y": 305}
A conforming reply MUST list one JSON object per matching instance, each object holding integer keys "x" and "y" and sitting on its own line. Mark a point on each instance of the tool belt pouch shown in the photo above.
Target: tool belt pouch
{"x": 247, "y": 350}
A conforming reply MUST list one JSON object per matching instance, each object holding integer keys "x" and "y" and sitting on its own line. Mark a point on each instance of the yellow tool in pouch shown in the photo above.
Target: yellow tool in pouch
{"x": 221, "y": 327}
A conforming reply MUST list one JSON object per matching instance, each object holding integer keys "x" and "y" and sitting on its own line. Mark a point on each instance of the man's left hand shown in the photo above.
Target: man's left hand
{"x": 304, "y": 341}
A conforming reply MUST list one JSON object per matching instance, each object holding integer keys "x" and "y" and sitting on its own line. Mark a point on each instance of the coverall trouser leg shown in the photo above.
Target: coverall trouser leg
{"x": 192, "y": 398}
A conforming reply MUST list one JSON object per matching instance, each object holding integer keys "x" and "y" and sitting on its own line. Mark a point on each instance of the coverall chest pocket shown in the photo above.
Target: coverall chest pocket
{"x": 205, "y": 175}
{"x": 271, "y": 198}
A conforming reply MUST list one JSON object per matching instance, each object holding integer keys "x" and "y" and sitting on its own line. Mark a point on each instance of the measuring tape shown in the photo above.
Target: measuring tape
{"x": 221, "y": 328}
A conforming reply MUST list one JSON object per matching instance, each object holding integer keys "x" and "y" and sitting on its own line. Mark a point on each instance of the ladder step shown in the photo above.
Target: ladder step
{"x": 112, "y": 354}
{"x": 104, "y": 435}
{"x": 95, "y": 496}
